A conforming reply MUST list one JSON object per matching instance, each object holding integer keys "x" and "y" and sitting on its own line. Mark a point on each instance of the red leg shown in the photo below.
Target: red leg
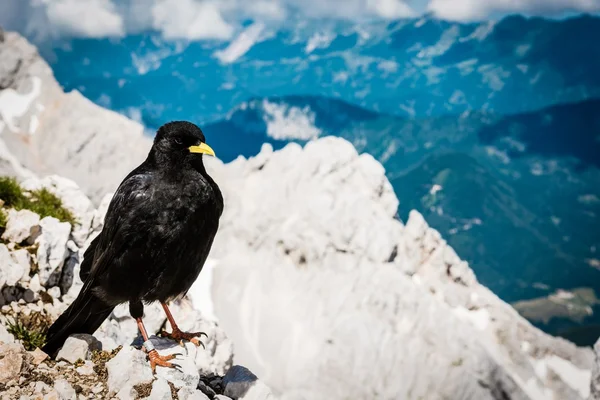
{"x": 155, "y": 358}
{"x": 177, "y": 334}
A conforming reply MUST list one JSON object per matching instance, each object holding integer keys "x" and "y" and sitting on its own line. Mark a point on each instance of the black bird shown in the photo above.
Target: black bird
{"x": 157, "y": 234}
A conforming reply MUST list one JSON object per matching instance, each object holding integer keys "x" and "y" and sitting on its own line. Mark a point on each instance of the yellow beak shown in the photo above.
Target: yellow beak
{"x": 202, "y": 148}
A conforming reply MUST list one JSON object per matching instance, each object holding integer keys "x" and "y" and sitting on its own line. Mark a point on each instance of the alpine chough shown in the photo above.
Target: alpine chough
{"x": 157, "y": 234}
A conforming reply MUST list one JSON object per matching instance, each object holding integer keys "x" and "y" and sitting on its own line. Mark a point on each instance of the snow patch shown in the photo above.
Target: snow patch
{"x": 289, "y": 122}
{"x": 14, "y": 105}
{"x": 435, "y": 188}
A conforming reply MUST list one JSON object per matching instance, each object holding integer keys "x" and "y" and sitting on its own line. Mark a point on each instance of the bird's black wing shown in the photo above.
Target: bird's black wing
{"x": 88, "y": 259}
{"x": 129, "y": 205}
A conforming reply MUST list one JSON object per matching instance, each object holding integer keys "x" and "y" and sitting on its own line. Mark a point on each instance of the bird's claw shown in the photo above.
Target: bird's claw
{"x": 157, "y": 359}
{"x": 180, "y": 336}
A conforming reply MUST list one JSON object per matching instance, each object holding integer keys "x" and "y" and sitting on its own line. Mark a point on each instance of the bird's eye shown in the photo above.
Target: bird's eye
{"x": 178, "y": 141}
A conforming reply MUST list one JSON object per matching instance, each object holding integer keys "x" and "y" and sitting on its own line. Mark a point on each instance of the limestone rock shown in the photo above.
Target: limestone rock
{"x": 52, "y": 249}
{"x": 187, "y": 393}
{"x": 86, "y": 369}
{"x": 5, "y": 337}
{"x": 127, "y": 393}
{"x": 21, "y": 225}
{"x": 127, "y": 369}
{"x": 13, "y": 362}
{"x": 78, "y": 347}
{"x": 23, "y": 259}
{"x": 38, "y": 356}
{"x": 10, "y": 271}
{"x": 65, "y": 390}
{"x": 160, "y": 390}
{"x": 216, "y": 357}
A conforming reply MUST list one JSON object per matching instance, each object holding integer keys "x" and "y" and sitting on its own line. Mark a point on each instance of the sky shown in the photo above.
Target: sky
{"x": 219, "y": 19}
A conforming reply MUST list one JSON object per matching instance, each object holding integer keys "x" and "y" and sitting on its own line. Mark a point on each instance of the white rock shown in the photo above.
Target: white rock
{"x": 64, "y": 390}
{"x": 54, "y": 292}
{"x": 187, "y": 393}
{"x": 127, "y": 369}
{"x": 41, "y": 387}
{"x": 52, "y": 249}
{"x": 78, "y": 347}
{"x": 98, "y": 388}
{"x": 5, "y": 337}
{"x": 216, "y": 357}
{"x": 160, "y": 390}
{"x": 23, "y": 258}
{"x": 127, "y": 393}
{"x": 34, "y": 283}
{"x": 21, "y": 225}
{"x": 86, "y": 369}
{"x": 10, "y": 271}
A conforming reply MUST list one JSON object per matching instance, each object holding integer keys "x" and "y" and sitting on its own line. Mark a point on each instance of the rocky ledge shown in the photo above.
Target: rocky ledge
{"x": 39, "y": 263}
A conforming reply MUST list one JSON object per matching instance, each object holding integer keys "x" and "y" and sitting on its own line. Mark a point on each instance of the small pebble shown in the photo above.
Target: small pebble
{"x": 86, "y": 369}
{"x": 29, "y": 296}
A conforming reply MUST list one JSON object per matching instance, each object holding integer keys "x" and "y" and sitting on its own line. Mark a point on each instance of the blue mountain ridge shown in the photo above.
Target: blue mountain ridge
{"x": 413, "y": 68}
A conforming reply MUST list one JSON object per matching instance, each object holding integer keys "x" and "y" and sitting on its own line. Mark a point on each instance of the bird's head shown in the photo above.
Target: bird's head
{"x": 179, "y": 142}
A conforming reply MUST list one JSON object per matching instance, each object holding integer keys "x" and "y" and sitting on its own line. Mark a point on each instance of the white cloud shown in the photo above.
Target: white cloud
{"x": 468, "y": 10}
{"x": 220, "y": 19}
{"x": 189, "y": 19}
{"x": 92, "y": 18}
{"x": 390, "y": 8}
{"x": 45, "y": 19}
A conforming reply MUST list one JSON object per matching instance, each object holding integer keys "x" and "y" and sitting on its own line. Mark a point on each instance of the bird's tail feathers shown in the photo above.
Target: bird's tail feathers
{"x": 84, "y": 315}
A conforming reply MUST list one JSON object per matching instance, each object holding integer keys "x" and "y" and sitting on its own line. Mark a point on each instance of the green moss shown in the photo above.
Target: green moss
{"x": 2, "y": 219}
{"x": 32, "y": 338}
{"x": 42, "y": 202}
{"x": 10, "y": 192}
{"x": 47, "y": 204}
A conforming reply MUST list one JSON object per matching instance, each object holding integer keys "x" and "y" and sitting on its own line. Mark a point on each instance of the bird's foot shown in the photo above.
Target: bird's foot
{"x": 157, "y": 359}
{"x": 180, "y": 336}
